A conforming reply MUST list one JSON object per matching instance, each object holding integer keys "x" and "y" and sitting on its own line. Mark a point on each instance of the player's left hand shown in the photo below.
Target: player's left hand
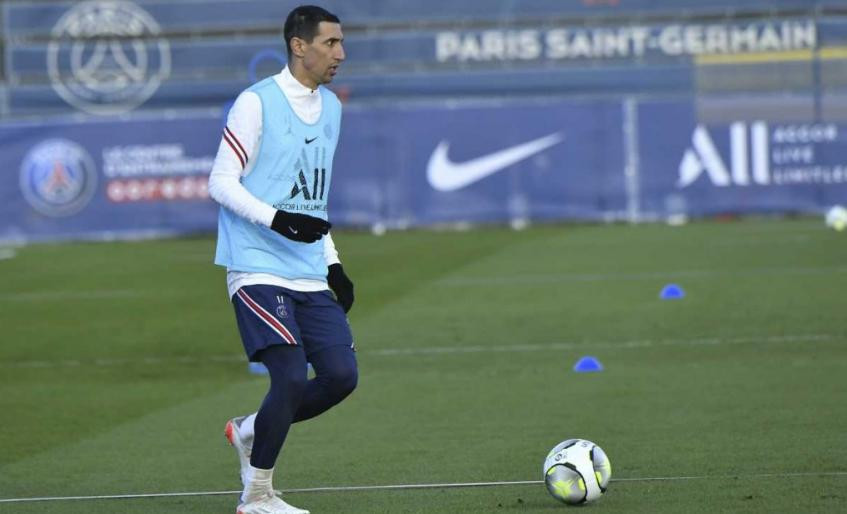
{"x": 341, "y": 285}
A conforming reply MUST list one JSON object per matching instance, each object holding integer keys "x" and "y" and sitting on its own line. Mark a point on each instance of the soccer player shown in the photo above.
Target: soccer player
{"x": 271, "y": 177}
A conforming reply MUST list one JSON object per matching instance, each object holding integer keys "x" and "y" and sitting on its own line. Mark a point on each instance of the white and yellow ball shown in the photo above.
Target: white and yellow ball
{"x": 577, "y": 471}
{"x": 836, "y": 218}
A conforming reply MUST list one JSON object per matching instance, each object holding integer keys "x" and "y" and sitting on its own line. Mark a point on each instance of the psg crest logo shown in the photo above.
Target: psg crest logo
{"x": 107, "y": 56}
{"x": 58, "y": 178}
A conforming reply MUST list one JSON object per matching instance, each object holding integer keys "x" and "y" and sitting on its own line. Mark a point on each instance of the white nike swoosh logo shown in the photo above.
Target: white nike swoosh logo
{"x": 446, "y": 175}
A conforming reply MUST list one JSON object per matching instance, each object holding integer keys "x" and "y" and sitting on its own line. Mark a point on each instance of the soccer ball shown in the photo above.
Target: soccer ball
{"x": 836, "y": 217}
{"x": 577, "y": 471}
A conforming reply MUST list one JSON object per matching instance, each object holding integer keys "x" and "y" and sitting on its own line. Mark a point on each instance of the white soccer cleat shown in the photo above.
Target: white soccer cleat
{"x": 269, "y": 504}
{"x": 242, "y": 447}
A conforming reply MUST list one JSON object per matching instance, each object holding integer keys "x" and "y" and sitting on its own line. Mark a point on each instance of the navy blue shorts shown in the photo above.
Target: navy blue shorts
{"x": 269, "y": 315}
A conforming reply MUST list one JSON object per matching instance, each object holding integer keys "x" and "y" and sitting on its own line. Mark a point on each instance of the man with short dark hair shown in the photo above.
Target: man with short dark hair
{"x": 271, "y": 177}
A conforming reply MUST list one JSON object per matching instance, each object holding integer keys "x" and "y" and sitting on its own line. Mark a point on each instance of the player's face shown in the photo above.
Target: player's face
{"x": 324, "y": 54}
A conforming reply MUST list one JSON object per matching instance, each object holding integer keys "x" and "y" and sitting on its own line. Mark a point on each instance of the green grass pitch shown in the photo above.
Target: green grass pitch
{"x": 120, "y": 363}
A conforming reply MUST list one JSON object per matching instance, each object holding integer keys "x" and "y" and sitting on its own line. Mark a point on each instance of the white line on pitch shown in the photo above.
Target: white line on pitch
{"x": 545, "y": 278}
{"x": 73, "y": 363}
{"x": 438, "y": 350}
{"x": 496, "y": 281}
{"x": 418, "y": 486}
{"x": 100, "y": 294}
{"x": 589, "y": 345}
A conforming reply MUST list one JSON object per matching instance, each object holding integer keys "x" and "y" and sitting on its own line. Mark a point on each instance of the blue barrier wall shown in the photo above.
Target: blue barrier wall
{"x": 745, "y": 166}
{"x": 424, "y": 164}
{"x": 618, "y": 109}
{"x": 106, "y": 178}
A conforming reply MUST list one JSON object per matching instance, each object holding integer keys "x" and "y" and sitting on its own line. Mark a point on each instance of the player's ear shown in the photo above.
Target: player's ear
{"x": 298, "y": 47}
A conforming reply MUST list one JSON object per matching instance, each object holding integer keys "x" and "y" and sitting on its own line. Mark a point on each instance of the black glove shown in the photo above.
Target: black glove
{"x": 299, "y": 227}
{"x": 341, "y": 286}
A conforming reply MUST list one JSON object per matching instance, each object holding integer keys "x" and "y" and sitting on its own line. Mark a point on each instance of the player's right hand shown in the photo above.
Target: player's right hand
{"x": 299, "y": 227}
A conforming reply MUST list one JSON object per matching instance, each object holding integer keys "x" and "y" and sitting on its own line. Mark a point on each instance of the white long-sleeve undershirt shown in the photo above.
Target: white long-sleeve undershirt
{"x": 234, "y": 160}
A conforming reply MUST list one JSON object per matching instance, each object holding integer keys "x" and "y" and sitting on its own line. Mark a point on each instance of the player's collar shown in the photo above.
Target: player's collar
{"x": 293, "y": 87}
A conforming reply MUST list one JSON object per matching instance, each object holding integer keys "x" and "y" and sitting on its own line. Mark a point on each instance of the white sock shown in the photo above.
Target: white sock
{"x": 259, "y": 484}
